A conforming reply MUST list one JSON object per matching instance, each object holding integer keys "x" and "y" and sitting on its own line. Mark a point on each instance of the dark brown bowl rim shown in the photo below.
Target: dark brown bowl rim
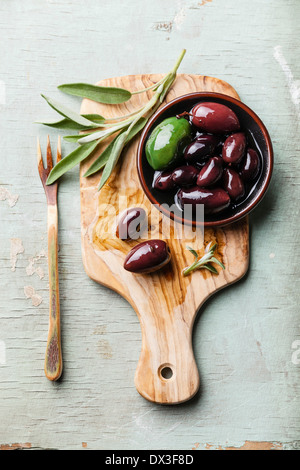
{"x": 261, "y": 192}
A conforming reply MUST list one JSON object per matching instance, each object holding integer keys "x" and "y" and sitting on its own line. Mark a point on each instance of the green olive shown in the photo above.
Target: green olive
{"x": 167, "y": 142}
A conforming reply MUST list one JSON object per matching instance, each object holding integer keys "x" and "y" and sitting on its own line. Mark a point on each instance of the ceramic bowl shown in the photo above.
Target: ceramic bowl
{"x": 257, "y": 137}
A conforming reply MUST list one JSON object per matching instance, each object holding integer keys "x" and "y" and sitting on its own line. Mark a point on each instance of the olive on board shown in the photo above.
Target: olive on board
{"x": 233, "y": 184}
{"x": 167, "y": 142}
{"x": 234, "y": 148}
{"x": 214, "y": 200}
{"x": 147, "y": 257}
{"x": 214, "y": 117}
{"x": 211, "y": 172}
{"x": 131, "y": 223}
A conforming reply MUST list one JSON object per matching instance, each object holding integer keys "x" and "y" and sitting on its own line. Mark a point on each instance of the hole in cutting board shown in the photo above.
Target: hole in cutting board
{"x": 166, "y": 372}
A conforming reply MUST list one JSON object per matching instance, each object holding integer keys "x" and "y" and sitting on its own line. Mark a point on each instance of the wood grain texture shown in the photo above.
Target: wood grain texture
{"x": 165, "y": 302}
{"x": 53, "y": 357}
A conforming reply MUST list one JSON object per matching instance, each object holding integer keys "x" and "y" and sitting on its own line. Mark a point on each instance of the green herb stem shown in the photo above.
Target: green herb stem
{"x": 205, "y": 261}
{"x": 101, "y": 161}
{"x": 178, "y": 62}
{"x": 152, "y": 87}
{"x": 102, "y": 134}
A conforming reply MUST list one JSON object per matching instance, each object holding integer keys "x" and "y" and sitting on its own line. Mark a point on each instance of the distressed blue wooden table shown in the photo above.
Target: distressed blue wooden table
{"x": 247, "y": 337}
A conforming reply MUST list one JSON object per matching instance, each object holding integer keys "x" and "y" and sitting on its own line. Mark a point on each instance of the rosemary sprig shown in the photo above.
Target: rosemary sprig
{"x": 204, "y": 261}
{"x": 97, "y": 128}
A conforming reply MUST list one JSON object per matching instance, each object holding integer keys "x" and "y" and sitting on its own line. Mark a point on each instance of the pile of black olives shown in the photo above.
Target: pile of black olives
{"x": 203, "y": 157}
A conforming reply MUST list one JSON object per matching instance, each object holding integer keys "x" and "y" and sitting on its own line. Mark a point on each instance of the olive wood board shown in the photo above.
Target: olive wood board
{"x": 166, "y": 303}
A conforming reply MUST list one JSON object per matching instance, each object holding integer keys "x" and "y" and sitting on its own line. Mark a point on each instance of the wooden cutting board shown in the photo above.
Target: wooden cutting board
{"x": 166, "y": 302}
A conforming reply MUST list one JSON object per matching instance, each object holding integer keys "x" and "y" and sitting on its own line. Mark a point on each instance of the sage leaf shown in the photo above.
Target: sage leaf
{"x": 94, "y": 117}
{"x": 68, "y": 113}
{"x": 113, "y": 158}
{"x": 101, "y": 161}
{"x": 100, "y": 94}
{"x": 64, "y": 124}
{"x": 68, "y": 124}
{"x": 73, "y": 138}
{"x": 68, "y": 162}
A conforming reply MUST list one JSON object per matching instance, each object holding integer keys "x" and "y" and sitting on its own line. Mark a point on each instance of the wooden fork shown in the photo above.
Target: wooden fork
{"x": 53, "y": 358}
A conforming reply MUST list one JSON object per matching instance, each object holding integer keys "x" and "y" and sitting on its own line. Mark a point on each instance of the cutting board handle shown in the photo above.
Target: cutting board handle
{"x": 167, "y": 372}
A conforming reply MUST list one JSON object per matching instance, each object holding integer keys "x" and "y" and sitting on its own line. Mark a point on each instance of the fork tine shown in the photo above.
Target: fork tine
{"x": 39, "y": 155}
{"x": 58, "y": 157}
{"x": 49, "y": 155}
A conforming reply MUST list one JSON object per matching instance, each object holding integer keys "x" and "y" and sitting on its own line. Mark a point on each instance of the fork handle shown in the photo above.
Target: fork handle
{"x": 53, "y": 358}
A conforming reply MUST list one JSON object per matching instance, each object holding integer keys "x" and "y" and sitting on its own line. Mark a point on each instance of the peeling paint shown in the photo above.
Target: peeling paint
{"x": 103, "y": 346}
{"x": 179, "y": 17}
{"x": 30, "y": 293}
{"x": 294, "y": 85}
{"x": 248, "y": 445}
{"x": 104, "y": 349}
{"x": 100, "y": 330}
{"x": 2, "y": 93}
{"x": 31, "y": 269}
{"x": 6, "y": 195}
{"x": 15, "y": 446}
{"x": 204, "y": 2}
{"x": 253, "y": 445}
{"x": 168, "y": 26}
{"x": 16, "y": 248}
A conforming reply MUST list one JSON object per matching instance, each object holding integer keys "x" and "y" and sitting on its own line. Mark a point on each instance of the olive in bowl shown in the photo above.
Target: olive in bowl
{"x": 229, "y": 149}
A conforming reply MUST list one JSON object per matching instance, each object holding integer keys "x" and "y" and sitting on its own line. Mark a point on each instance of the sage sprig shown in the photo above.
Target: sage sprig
{"x": 154, "y": 102}
{"x": 100, "y": 94}
{"x": 97, "y": 128}
{"x": 119, "y": 145}
{"x": 68, "y": 124}
{"x": 205, "y": 261}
